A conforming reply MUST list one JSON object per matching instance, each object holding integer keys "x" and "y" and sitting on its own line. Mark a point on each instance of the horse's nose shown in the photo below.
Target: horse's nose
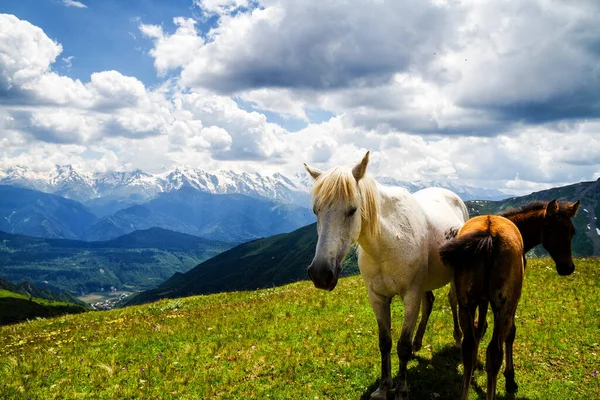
{"x": 321, "y": 275}
{"x": 567, "y": 269}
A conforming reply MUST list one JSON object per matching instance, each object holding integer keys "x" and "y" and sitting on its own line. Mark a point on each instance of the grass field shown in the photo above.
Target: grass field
{"x": 296, "y": 342}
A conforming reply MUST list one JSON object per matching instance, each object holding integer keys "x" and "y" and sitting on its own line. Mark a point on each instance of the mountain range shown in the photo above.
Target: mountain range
{"x": 229, "y": 217}
{"x": 226, "y": 217}
{"x": 106, "y": 193}
{"x": 230, "y": 206}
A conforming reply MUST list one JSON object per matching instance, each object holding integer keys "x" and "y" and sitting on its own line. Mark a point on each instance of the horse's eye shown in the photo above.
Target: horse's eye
{"x": 351, "y": 211}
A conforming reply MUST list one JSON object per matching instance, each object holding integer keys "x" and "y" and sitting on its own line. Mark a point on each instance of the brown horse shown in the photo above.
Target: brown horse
{"x": 488, "y": 257}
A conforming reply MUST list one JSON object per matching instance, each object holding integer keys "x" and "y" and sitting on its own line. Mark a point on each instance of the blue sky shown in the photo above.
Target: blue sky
{"x": 102, "y": 36}
{"x": 492, "y": 94}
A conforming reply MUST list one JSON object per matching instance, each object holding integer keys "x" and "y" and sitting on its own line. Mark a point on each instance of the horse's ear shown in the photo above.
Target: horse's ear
{"x": 361, "y": 168}
{"x": 314, "y": 172}
{"x": 573, "y": 208}
{"x": 552, "y": 208}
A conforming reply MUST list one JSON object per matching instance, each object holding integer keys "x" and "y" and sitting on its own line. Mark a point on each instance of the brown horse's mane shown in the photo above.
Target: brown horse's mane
{"x": 536, "y": 205}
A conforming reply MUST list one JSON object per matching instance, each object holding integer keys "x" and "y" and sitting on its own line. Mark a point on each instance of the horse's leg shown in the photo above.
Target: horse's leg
{"x": 509, "y": 371}
{"x": 381, "y": 308}
{"x": 481, "y": 327}
{"x": 412, "y": 301}
{"x": 469, "y": 346}
{"x": 503, "y": 322}
{"x": 454, "y": 308}
{"x": 426, "y": 307}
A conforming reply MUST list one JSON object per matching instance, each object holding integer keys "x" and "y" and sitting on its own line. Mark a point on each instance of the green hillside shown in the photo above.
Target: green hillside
{"x": 139, "y": 260}
{"x": 262, "y": 263}
{"x": 27, "y": 289}
{"x": 587, "y": 222}
{"x": 297, "y": 342}
{"x": 16, "y": 307}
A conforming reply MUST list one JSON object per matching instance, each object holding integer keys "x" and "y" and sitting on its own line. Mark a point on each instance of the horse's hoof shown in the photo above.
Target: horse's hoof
{"x": 379, "y": 394}
{"x": 511, "y": 387}
{"x": 401, "y": 396}
{"x": 416, "y": 346}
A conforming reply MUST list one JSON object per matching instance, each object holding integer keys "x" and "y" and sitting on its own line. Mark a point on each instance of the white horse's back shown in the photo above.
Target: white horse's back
{"x": 444, "y": 210}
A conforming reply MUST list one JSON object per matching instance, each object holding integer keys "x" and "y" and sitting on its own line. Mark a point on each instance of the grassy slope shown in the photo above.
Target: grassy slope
{"x": 27, "y": 289}
{"x": 15, "y": 307}
{"x": 295, "y": 342}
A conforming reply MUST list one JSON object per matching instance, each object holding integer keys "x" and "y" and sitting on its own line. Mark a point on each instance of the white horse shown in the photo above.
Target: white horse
{"x": 399, "y": 237}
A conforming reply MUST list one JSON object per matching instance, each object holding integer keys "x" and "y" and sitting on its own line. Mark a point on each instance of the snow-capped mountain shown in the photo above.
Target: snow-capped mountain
{"x": 106, "y": 193}
{"x": 275, "y": 187}
{"x": 113, "y": 190}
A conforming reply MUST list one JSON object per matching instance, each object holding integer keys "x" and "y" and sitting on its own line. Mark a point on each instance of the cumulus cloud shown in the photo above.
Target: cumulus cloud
{"x": 317, "y": 45}
{"x": 280, "y": 101}
{"x": 491, "y": 94}
{"x": 474, "y": 67}
{"x": 251, "y": 136}
{"x": 25, "y": 53}
{"x": 176, "y": 50}
{"x": 53, "y": 108}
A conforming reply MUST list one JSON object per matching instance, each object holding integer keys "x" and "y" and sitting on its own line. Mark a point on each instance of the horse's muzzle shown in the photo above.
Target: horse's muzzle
{"x": 323, "y": 275}
{"x": 565, "y": 269}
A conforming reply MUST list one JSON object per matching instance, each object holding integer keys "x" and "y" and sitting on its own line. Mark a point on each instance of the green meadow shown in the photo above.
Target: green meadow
{"x": 297, "y": 342}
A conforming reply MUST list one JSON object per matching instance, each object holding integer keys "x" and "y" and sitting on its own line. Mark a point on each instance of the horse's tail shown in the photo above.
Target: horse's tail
{"x": 474, "y": 248}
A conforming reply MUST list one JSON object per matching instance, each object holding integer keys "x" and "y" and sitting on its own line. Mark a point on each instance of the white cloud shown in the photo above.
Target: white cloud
{"x": 252, "y": 137}
{"x": 73, "y": 3}
{"x": 489, "y": 94}
{"x": 280, "y": 101}
{"x": 176, "y": 50}
{"x": 315, "y": 44}
{"x": 25, "y": 52}
{"x": 474, "y": 67}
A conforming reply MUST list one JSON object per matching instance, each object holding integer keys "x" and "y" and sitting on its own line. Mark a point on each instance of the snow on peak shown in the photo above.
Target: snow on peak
{"x": 67, "y": 181}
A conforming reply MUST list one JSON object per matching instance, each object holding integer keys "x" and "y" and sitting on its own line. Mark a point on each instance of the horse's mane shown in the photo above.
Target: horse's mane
{"x": 339, "y": 184}
{"x": 536, "y": 205}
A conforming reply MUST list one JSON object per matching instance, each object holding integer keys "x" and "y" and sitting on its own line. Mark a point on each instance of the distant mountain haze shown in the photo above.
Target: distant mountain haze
{"x": 40, "y": 214}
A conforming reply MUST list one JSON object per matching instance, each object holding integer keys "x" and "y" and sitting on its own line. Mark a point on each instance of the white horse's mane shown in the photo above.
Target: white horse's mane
{"x": 339, "y": 184}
